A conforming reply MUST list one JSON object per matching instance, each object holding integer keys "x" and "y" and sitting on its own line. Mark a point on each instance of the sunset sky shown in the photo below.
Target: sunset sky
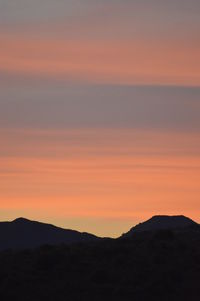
{"x": 99, "y": 111}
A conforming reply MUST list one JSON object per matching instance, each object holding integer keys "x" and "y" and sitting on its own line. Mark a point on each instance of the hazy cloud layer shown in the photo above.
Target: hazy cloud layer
{"x": 28, "y": 11}
{"x": 99, "y": 111}
{"x": 114, "y": 42}
{"x": 108, "y": 175}
{"x": 62, "y": 106}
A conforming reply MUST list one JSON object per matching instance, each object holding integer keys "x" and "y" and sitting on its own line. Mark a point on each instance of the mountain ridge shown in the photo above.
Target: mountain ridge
{"x": 162, "y": 222}
{"x": 152, "y": 265}
{"x": 24, "y": 233}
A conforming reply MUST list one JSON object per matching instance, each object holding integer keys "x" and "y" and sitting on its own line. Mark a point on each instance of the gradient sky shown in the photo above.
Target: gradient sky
{"x": 99, "y": 111}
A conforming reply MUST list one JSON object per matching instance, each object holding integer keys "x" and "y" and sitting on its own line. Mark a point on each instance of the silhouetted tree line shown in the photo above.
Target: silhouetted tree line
{"x": 161, "y": 265}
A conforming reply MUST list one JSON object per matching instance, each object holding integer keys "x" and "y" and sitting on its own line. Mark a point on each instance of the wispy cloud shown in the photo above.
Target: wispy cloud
{"x": 102, "y": 173}
{"x": 99, "y": 110}
{"x": 118, "y": 62}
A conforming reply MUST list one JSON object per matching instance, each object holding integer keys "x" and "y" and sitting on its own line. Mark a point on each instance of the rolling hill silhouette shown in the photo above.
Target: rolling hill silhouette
{"x": 23, "y": 233}
{"x": 157, "y": 260}
{"x": 162, "y": 222}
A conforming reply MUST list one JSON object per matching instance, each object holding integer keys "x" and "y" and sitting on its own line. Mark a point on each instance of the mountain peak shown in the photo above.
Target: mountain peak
{"x": 162, "y": 222}
{"x": 24, "y": 233}
{"x": 171, "y": 218}
{"x": 21, "y": 220}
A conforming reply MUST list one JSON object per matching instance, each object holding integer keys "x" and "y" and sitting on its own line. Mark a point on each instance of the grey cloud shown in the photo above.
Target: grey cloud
{"x": 129, "y": 13}
{"x": 74, "y": 106}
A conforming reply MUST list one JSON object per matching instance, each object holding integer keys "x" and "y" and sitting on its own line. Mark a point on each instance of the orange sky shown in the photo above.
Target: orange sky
{"x": 117, "y": 175}
{"x": 99, "y": 111}
{"x": 119, "y": 61}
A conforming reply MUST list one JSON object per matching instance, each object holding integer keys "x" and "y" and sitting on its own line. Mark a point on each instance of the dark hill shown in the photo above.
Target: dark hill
{"x": 23, "y": 233}
{"x": 145, "y": 267}
{"x": 160, "y": 263}
{"x": 162, "y": 222}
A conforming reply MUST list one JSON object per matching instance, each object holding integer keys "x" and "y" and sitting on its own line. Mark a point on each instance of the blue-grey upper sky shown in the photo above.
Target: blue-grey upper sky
{"x": 106, "y": 42}
{"x": 91, "y": 17}
{"x": 48, "y": 81}
{"x": 59, "y": 105}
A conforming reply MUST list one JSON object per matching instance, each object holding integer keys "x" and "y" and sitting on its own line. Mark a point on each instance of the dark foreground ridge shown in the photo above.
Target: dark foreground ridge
{"x": 155, "y": 264}
{"x": 23, "y": 233}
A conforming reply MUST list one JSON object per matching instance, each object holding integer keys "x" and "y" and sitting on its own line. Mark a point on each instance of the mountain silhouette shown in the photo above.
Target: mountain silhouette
{"x": 23, "y": 233}
{"x": 160, "y": 261}
{"x": 162, "y": 222}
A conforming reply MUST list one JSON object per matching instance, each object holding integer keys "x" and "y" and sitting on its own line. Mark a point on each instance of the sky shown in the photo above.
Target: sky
{"x": 99, "y": 111}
